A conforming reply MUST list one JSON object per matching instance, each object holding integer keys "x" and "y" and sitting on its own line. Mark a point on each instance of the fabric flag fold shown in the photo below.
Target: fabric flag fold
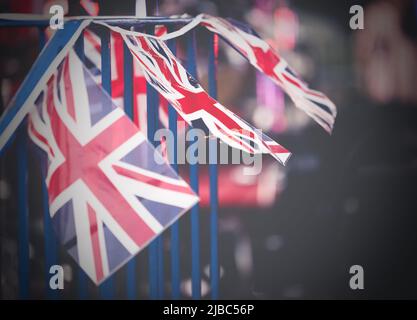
{"x": 317, "y": 105}
{"x": 163, "y": 71}
{"x": 92, "y": 51}
{"x": 110, "y": 192}
{"x": 47, "y": 61}
{"x": 262, "y": 56}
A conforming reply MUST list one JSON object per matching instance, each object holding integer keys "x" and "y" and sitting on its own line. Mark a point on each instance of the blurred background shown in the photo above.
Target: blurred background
{"x": 291, "y": 232}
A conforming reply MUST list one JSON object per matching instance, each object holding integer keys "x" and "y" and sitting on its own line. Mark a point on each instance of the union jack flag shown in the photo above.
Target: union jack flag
{"x": 193, "y": 104}
{"x": 92, "y": 43}
{"x": 110, "y": 192}
{"x": 260, "y": 54}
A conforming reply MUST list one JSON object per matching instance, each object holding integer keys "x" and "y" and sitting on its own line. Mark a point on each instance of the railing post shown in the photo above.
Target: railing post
{"x": 51, "y": 250}
{"x": 175, "y": 228}
{"x": 213, "y": 144}
{"x": 128, "y": 80}
{"x": 156, "y": 266}
{"x": 195, "y": 219}
{"x": 155, "y": 247}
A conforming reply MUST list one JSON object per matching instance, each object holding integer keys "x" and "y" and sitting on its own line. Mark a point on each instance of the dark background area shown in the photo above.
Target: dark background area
{"x": 345, "y": 199}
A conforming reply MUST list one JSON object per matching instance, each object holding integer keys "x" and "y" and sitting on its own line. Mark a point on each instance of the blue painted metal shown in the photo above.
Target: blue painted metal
{"x": 128, "y": 81}
{"x": 51, "y": 250}
{"x": 82, "y": 287}
{"x": 175, "y": 228}
{"x": 124, "y": 22}
{"x": 153, "y": 272}
{"x": 23, "y": 212}
{"x": 83, "y": 281}
{"x": 160, "y": 242}
{"x": 106, "y": 61}
{"x": 154, "y": 247}
{"x": 107, "y": 287}
{"x": 82, "y": 276}
{"x": 38, "y": 69}
{"x": 156, "y": 272}
{"x": 195, "y": 219}
{"x": 131, "y": 280}
{"x": 128, "y": 105}
{"x": 214, "y": 202}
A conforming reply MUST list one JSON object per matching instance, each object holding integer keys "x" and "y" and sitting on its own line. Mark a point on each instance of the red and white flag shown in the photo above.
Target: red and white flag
{"x": 92, "y": 51}
{"x": 176, "y": 85}
{"x": 263, "y": 57}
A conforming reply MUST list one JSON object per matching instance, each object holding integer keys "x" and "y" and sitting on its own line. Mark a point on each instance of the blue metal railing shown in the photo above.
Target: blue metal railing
{"x": 156, "y": 252}
{"x": 155, "y": 249}
{"x": 128, "y": 105}
{"x": 175, "y": 228}
{"x": 51, "y": 250}
{"x": 195, "y": 221}
{"x": 213, "y": 144}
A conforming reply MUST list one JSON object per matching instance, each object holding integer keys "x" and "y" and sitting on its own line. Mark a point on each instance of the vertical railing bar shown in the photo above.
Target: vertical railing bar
{"x": 51, "y": 250}
{"x": 23, "y": 212}
{"x": 82, "y": 276}
{"x": 160, "y": 241}
{"x": 153, "y": 272}
{"x": 107, "y": 287}
{"x": 213, "y": 144}
{"x": 175, "y": 228}
{"x": 128, "y": 80}
{"x": 152, "y": 117}
{"x": 195, "y": 221}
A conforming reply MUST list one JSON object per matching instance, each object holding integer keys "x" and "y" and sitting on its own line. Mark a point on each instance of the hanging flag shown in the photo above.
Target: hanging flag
{"x": 48, "y": 60}
{"x": 240, "y": 36}
{"x": 193, "y": 104}
{"x": 110, "y": 192}
{"x": 263, "y": 57}
{"x": 92, "y": 49}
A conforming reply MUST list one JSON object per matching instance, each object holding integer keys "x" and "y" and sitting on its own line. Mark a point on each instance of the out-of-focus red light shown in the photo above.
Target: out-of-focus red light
{"x": 286, "y": 28}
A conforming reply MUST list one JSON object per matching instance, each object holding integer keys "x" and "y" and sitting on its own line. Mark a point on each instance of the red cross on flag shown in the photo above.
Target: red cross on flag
{"x": 110, "y": 192}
